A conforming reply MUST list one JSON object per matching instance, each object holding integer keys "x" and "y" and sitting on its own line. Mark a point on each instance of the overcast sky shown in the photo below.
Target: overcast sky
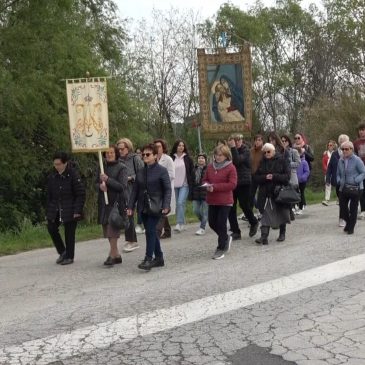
{"x": 138, "y": 9}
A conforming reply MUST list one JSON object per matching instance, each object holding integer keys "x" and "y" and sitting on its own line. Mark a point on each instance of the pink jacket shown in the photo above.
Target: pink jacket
{"x": 224, "y": 181}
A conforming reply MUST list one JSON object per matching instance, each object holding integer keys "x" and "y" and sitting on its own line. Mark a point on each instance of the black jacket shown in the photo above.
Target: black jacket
{"x": 198, "y": 193}
{"x": 65, "y": 195}
{"x": 278, "y": 167}
{"x": 117, "y": 185}
{"x": 242, "y": 161}
{"x": 189, "y": 167}
{"x": 158, "y": 184}
{"x": 331, "y": 173}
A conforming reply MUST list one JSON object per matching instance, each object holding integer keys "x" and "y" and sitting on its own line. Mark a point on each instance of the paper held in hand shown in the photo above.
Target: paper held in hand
{"x": 206, "y": 185}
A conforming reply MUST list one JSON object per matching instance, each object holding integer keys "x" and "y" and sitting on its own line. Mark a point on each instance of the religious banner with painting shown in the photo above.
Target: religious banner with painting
{"x": 225, "y": 86}
{"x": 88, "y": 114}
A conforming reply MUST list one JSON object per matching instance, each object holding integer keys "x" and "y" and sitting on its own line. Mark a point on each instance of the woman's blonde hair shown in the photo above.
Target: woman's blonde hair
{"x": 127, "y": 142}
{"x": 224, "y": 150}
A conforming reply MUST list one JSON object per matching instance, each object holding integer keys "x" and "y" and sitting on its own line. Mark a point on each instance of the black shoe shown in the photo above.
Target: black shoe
{"x": 117, "y": 260}
{"x": 158, "y": 262}
{"x": 346, "y": 228}
{"x": 61, "y": 258}
{"x": 67, "y": 261}
{"x": 281, "y": 237}
{"x": 350, "y": 231}
{"x": 262, "y": 241}
{"x": 146, "y": 264}
{"x": 109, "y": 261}
{"x": 253, "y": 230}
{"x": 236, "y": 236}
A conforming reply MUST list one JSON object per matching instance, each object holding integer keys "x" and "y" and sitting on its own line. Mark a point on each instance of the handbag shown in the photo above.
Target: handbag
{"x": 287, "y": 195}
{"x": 152, "y": 203}
{"x": 118, "y": 219}
{"x": 350, "y": 191}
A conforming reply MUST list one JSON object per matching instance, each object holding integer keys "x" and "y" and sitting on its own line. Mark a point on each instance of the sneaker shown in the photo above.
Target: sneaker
{"x": 140, "y": 229}
{"x": 200, "y": 232}
{"x": 341, "y": 223}
{"x": 219, "y": 254}
{"x": 178, "y": 228}
{"x": 165, "y": 235}
{"x": 361, "y": 215}
{"x": 253, "y": 229}
{"x": 241, "y": 216}
{"x": 299, "y": 212}
{"x": 130, "y": 246}
{"x": 326, "y": 203}
{"x": 228, "y": 245}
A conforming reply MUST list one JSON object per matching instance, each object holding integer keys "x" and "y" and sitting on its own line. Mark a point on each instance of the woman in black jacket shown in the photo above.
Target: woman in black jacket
{"x": 65, "y": 202}
{"x": 273, "y": 172}
{"x": 113, "y": 182}
{"x": 152, "y": 185}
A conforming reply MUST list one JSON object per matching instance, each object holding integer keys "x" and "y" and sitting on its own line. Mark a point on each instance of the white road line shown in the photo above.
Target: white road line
{"x": 102, "y": 335}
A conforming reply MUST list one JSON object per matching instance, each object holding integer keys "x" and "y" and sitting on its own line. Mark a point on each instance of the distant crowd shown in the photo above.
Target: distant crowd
{"x": 140, "y": 189}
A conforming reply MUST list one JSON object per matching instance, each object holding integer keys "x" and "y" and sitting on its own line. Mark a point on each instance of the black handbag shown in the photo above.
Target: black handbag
{"x": 152, "y": 203}
{"x": 350, "y": 191}
{"x": 118, "y": 218}
{"x": 287, "y": 195}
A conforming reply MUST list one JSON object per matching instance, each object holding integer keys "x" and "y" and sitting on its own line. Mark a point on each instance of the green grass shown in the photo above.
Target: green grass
{"x": 31, "y": 237}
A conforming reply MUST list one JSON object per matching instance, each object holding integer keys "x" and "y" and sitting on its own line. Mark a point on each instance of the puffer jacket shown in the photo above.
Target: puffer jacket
{"x": 65, "y": 195}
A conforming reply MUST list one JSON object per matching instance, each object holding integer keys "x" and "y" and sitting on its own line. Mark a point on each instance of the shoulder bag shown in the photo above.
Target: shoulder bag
{"x": 152, "y": 203}
{"x": 286, "y": 195}
{"x": 118, "y": 218}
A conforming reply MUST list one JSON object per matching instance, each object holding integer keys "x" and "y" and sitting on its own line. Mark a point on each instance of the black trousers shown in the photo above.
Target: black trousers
{"x": 217, "y": 218}
{"x": 70, "y": 229}
{"x": 348, "y": 208}
{"x": 164, "y": 224}
{"x": 130, "y": 233}
{"x": 302, "y": 202}
{"x": 242, "y": 193}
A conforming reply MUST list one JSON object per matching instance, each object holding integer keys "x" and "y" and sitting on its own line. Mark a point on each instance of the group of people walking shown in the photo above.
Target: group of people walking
{"x": 152, "y": 185}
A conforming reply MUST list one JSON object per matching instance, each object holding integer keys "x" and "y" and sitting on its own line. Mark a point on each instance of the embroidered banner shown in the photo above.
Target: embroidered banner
{"x": 88, "y": 115}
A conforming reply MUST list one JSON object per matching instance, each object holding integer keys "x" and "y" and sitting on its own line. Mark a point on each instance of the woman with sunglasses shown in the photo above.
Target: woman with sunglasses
{"x": 152, "y": 182}
{"x": 273, "y": 172}
{"x": 350, "y": 174}
{"x": 301, "y": 141}
{"x": 331, "y": 146}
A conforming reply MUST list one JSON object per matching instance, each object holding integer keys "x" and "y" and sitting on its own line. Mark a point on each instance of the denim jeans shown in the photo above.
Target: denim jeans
{"x": 181, "y": 195}
{"x": 153, "y": 246}
{"x": 200, "y": 208}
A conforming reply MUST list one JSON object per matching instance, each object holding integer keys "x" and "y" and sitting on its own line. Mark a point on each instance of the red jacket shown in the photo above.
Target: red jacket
{"x": 224, "y": 181}
{"x": 325, "y": 161}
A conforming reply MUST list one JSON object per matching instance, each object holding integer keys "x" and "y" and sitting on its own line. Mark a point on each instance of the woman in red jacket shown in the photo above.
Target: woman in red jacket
{"x": 220, "y": 180}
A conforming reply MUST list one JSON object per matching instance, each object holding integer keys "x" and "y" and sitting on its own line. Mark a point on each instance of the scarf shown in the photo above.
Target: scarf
{"x": 221, "y": 165}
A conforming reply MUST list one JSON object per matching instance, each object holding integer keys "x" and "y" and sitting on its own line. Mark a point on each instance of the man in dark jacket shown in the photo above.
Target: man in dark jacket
{"x": 65, "y": 202}
{"x": 242, "y": 162}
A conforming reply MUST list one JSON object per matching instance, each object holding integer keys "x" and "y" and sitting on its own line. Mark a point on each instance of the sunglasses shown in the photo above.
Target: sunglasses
{"x": 284, "y": 140}
{"x": 346, "y": 149}
{"x": 148, "y": 154}
{"x": 267, "y": 152}
{"x": 296, "y": 137}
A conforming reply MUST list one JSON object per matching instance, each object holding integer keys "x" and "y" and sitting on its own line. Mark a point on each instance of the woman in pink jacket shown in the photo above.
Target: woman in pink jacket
{"x": 220, "y": 180}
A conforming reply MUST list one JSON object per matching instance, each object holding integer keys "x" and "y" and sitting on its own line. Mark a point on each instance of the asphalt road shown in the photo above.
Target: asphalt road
{"x": 297, "y": 302}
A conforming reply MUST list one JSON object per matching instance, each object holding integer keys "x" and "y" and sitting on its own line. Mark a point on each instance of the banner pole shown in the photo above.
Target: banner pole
{"x": 102, "y": 171}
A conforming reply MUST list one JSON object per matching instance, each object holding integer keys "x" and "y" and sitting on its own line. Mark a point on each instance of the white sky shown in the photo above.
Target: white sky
{"x": 138, "y": 9}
